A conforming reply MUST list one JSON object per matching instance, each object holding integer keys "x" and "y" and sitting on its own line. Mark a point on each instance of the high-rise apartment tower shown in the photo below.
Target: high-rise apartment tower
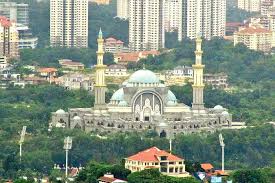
{"x": 69, "y": 23}
{"x": 146, "y": 25}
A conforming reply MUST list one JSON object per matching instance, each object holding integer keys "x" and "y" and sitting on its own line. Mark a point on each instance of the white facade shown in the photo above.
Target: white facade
{"x": 204, "y": 17}
{"x": 250, "y": 5}
{"x": 123, "y": 9}
{"x": 69, "y": 23}
{"x": 146, "y": 25}
{"x": 171, "y": 15}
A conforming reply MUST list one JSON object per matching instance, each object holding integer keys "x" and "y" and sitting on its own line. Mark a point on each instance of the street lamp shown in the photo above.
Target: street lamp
{"x": 222, "y": 146}
{"x": 67, "y": 146}
{"x": 22, "y": 138}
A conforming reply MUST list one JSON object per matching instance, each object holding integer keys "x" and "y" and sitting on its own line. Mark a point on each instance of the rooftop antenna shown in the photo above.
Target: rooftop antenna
{"x": 67, "y": 146}
{"x": 22, "y": 138}
{"x": 222, "y": 146}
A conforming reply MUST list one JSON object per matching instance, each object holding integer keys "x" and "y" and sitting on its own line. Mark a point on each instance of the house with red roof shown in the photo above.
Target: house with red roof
{"x": 71, "y": 65}
{"x": 109, "y": 178}
{"x": 133, "y": 57}
{"x": 113, "y": 45}
{"x": 49, "y": 73}
{"x": 165, "y": 162}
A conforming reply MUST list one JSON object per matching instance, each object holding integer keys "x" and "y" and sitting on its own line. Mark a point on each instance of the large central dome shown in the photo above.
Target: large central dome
{"x": 143, "y": 76}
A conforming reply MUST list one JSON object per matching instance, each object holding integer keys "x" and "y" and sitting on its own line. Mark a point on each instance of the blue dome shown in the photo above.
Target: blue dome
{"x": 118, "y": 95}
{"x": 143, "y": 76}
{"x": 171, "y": 96}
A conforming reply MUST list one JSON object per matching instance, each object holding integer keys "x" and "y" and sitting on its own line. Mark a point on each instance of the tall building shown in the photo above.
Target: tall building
{"x": 8, "y": 38}
{"x": 15, "y": 12}
{"x": 250, "y": 5}
{"x": 171, "y": 15}
{"x": 205, "y": 17}
{"x": 123, "y": 9}
{"x": 69, "y": 23}
{"x": 23, "y": 14}
{"x": 146, "y": 25}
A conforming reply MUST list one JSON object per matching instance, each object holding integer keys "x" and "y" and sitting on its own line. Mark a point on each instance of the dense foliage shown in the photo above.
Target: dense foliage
{"x": 50, "y": 56}
{"x": 154, "y": 176}
{"x": 253, "y": 176}
{"x": 95, "y": 170}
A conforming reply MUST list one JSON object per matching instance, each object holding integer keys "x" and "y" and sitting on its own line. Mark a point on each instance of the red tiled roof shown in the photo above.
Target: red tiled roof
{"x": 128, "y": 57}
{"x": 107, "y": 179}
{"x": 152, "y": 155}
{"x": 206, "y": 166}
{"x": 135, "y": 56}
{"x": 71, "y": 63}
{"x": 47, "y": 69}
{"x": 4, "y": 21}
{"x": 220, "y": 172}
{"x": 253, "y": 30}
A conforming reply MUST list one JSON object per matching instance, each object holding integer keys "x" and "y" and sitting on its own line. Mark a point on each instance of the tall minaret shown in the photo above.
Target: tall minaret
{"x": 100, "y": 86}
{"x": 198, "y": 85}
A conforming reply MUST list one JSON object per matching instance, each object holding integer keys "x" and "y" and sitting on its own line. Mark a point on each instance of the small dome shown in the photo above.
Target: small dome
{"x": 118, "y": 95}
{"x": 218, "y": 107}
{"x": 171, "y": 96}
{"x": 76, "y": 118}
{"x": 225, "y": 113}
{"x": 60, "y": 111}
{"x": 122, "y": 103}
{"x": 143, "y": 76}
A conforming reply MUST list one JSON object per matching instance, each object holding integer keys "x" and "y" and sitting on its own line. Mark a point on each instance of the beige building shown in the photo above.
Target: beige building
{"x": 165, "y": 162}
{"x": 254, "y": 38}
{"x": 9, "y": 38}
{"x": 76, "y": 81}
{"x": 69, "y": 23}
{"x": 123, "y": 9}
{"x": 250, "y": 5}
{"x": 116, "y": 70}
{"x": 216, "y": 80}
{"x": 146, "y": 25}
{"x": 204, "y": 17}
{"x": 71, "y": 65}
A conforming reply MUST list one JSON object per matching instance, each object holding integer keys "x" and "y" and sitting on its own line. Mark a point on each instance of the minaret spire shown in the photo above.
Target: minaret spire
{"x": 198, "y": 85}
{"x": 100, "y": 86}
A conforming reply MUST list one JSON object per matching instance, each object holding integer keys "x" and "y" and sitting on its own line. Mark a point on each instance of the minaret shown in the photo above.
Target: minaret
{"x": 100, "y": 86}
{"x": 198, "y": 85}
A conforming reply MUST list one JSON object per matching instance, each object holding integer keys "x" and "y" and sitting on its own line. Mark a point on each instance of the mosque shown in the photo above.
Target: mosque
{"x": 144, "y": 103}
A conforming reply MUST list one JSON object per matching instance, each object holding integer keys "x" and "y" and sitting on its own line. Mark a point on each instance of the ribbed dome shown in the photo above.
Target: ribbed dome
{"x": 143, "y": 76}
{"x": 171, "y": 96}
{"x": 118, "y": 95}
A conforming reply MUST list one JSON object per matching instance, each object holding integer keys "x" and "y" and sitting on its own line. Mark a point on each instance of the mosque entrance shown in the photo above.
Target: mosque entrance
{"x": 162, "y": 134}
{"x": 147, "y": 114}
